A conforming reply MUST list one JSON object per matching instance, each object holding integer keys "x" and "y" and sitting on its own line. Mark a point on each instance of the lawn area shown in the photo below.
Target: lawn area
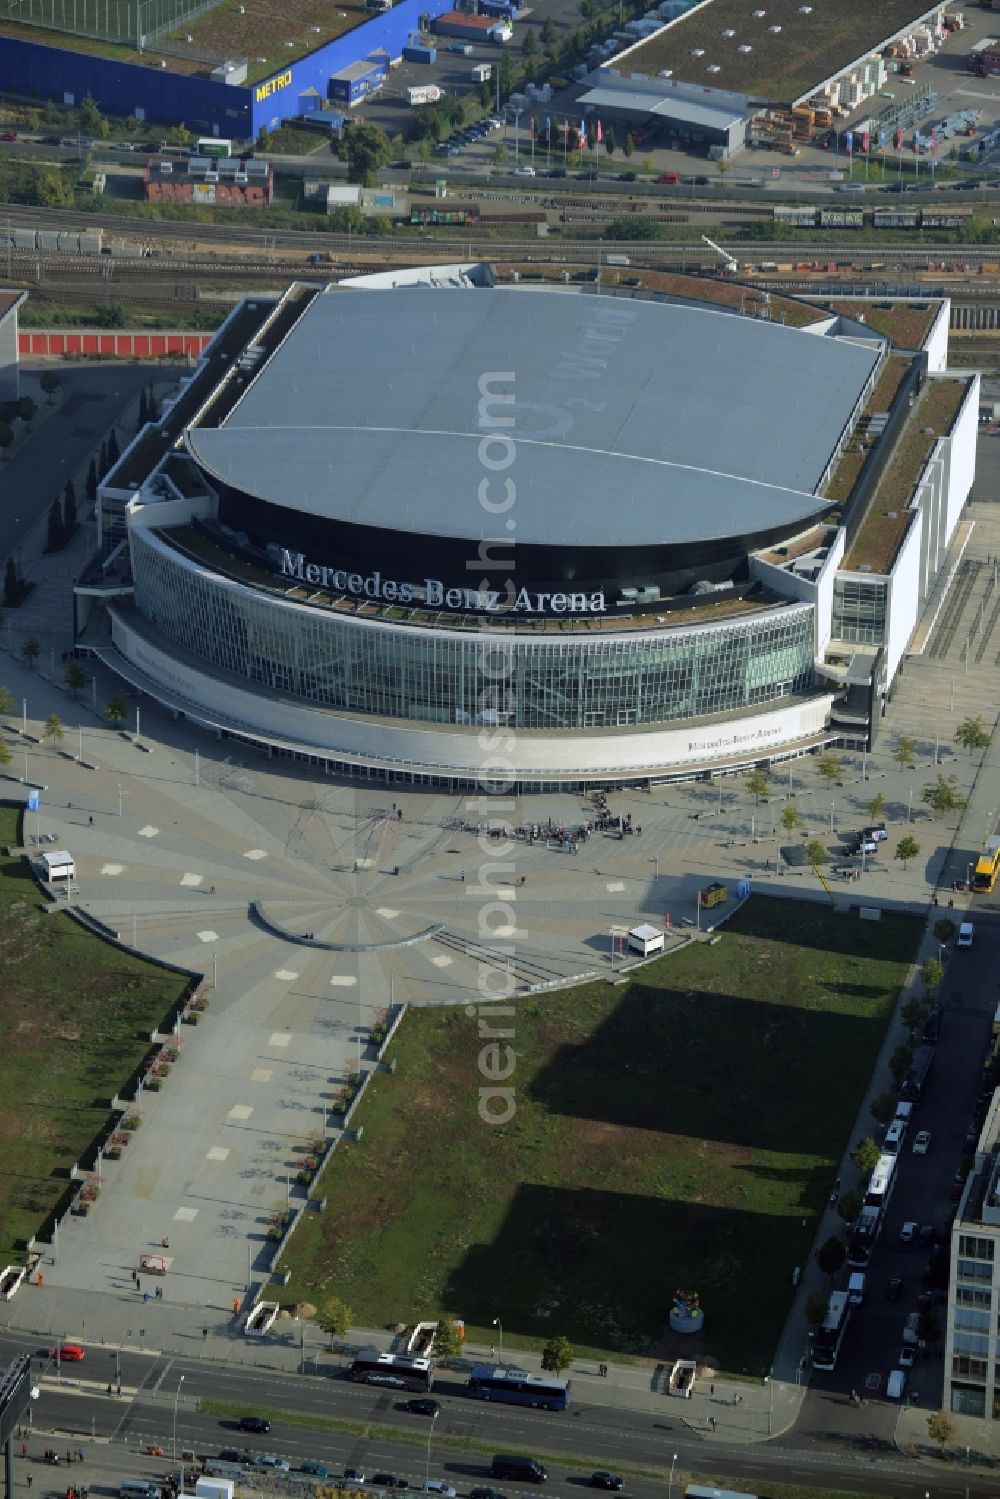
{"x": 670, "y": 1133}
{"x": 75, "y": 1016}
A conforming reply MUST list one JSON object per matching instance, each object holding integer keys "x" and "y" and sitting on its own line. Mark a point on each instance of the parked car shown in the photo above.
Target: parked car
{"x": 235, "y": 1455}
{"x": 438, "y": 1486}
{"x": 894, "y": 1289}
{"x": 602, "y": 1480}
{"x": 925, "y": 1237}
{"x": 353, "y": 1475}
{"x": 256, "y": 1424}
{"x": 388, "y": 1481}
{"x": 318, "y": 1470}
{"x": 908, "y": 1232}
{"x": 123, "y": 146}
{"x": 9, "y": 135}
{"x": 525, "y": 171}
{"x": 423, "y": 1407}
{"x": 907, "y": 1357}
{"x": 271, "y": 1460}
{"x": 922, "y": 1142}
{"x": 895, "y": 1384}
{"x": 486, "y": 1494}
{"x": 669, "y": 179}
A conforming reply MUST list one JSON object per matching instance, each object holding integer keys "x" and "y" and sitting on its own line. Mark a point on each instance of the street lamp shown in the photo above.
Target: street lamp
{"x": 430, "y": 1436}
{"x": 499, "y": 1325}
{"x": 769, "y": 1381}
{"x": 177, "y": 1396}
{"x": 670, "y": 1481}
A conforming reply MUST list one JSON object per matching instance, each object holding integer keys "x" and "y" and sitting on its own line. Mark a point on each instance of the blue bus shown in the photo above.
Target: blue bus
{"x": 516, "y": 1387}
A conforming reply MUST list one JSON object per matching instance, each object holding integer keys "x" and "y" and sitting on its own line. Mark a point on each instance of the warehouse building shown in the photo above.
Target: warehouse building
{"x": 349, "y": 543}
{"x": 209, "y": 180}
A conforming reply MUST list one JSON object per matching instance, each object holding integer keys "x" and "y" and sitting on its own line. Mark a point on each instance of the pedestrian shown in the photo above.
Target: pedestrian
{"x": 24, "y": 1449}
{"x": 711, "y": 1389}
{"x": 145, "y": 1296}
{"x": 91, "y": 819}
{"x": 159, "y": 1293}
{"x": 713, "y": 1422}
{"x": 79, "y": 1454}
{"x": 493, "y": 1351}
{"x": 30, "y": 1479}
{"x": 138, "y": 1282}
{"x": 109, "y": 1389}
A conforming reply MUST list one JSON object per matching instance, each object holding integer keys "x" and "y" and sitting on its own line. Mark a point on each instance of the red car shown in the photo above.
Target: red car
{"x": 9, "y": 135}
{"x": 72, "y": 1353}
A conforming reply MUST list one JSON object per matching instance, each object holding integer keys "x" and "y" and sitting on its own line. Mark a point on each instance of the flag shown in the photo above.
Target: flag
{"x": 32, "y": 801}
{"x": 848, "y": 141}
{"x": 865, "y": 138}
{"x": 934, "y": 140}
{"x": 917, "y": 143}
{"x": 565, "y": 130}
{"x": 581, "y": 139}
{"x": 548, "y": 127}
{"x": 883, "y": 138}
{"x": 599, "y": 133}
{"x": 899, "y": 140}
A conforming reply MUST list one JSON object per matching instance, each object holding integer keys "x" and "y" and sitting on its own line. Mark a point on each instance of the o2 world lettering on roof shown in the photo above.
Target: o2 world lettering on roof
{"x": 265, "y": 90}
{"x": 435, "y": 594}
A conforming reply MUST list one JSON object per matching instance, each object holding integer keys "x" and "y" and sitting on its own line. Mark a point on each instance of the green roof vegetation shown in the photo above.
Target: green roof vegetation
{"x": 781, "y": 67}
{"x": 854, "y": 457}
{"x": 888, "y": 519}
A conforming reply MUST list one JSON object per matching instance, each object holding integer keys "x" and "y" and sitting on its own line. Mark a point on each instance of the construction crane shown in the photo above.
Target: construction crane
{"x": 730, "y": 266}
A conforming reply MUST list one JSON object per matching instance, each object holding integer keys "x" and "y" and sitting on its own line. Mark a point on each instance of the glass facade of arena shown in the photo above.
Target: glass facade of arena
{"x": 859, "y": 609}
{"x": 542, "y": 681}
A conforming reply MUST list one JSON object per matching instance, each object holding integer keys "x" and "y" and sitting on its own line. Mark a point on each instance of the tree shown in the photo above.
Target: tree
{"x": 830, "y": 767}
{"x": 143, "y": 413}
{"x": 11, "y": 585}
{"x": 447, "y": 1343}
{"x": 941, "y": 1428}
{"x": 27, "y": 410}
{"x": 75, "y": 677}
{"x": 529, "y": 47}
{"x": 115, "y": 708}
{"x": 183, "y": 134}
{"x": 557, "y": 1355}
{"x": 549, "y": 34}
{"x": 942, "y": 796}
{"x": 30, "y": 650}
{"x": 899, "y": 1065}
{"x": 334, "y": 1316}
{"x": 876, "y": 807}
{"x": 911, "y": 1014}
{"x": 790, "y": 818}
{"x": 904, "y": 752}
{"x": 945, "y": 929}
{"x": 114, "y": 317}
{"x": 265, "y": 140}
{"x": 5, "y": 754}
{"x": 849, "y": 1205}
{"x": 906, "y": 849}
{"x": 6, "y": 701}
{"x": 50, "y": 190}
{"x": 499, "y": 156}
{"x": 152, "y": 405}
{"x": 932, "y": 972}
{"x": 53, "y": 730}
{"x": 757, "y": 785}
{"x": 816, "y": 853}
{"x": 817, "y": 1306}
{"x": 425, "y": 151}
{"x": 972, "y": 734}
{"x": 588, "y": 10}
{"x": 505, "y": 75}
{"x": 831, "y": 1255}
{"x": 883, "y": 1108}
{"x": 50, "y": 383}
{"x": 90, "y": 487}
{"x": 865, "y": 1155}
{"x": 628, "y": 150}
{"x": 610, "y": 144}
{"x": 113, "y": 451}
{"x": 54, "y": 532}
{"x": 6, "y": 435}
{"x": 366, "y": 149}
{"x": 102, "y": 462}
{"x": 69, "y": 510}
{"x": 90, "y": 116}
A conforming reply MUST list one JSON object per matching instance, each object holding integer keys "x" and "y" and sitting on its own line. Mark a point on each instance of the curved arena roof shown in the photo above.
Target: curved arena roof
{"x": 632, "y": 422}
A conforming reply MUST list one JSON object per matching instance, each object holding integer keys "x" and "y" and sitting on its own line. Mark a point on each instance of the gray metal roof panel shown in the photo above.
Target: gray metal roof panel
{"x": 632, "y": 421}
{"x": 668, "y": 107}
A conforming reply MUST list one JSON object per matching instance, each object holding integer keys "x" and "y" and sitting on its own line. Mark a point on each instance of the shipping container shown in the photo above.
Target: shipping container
{"x": 358, "y": 81}
{"x": 415, "y": 53}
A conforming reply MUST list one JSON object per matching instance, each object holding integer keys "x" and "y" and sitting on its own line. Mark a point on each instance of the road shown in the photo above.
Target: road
{"x": 590, "y": 1436}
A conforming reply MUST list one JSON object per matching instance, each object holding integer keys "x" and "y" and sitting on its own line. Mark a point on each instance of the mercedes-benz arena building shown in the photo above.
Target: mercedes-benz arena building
{"x": 407, "y": 530}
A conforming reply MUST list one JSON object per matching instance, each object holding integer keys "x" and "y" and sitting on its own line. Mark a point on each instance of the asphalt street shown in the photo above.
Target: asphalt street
{"x": 462, "y": 1438}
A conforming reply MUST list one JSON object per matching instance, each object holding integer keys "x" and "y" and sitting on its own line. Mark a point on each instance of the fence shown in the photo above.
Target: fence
{"x": 126, "y": 21}
{"x": 105, "y": 344}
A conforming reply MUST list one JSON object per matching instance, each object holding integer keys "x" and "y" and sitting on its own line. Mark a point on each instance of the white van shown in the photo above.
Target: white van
{"x": 966, "y": 932}
{"x": 895, "y": 1384}
{"x": 904, "y": 1112}
{"x": 856, "y": 1288}
{"x": 894, "y": 1137}
{"x": 138, "y": 1488}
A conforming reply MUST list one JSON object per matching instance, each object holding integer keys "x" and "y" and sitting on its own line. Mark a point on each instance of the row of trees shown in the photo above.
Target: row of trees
{"x": 63, "y": 520}
{"x": 335, "y": 1317}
